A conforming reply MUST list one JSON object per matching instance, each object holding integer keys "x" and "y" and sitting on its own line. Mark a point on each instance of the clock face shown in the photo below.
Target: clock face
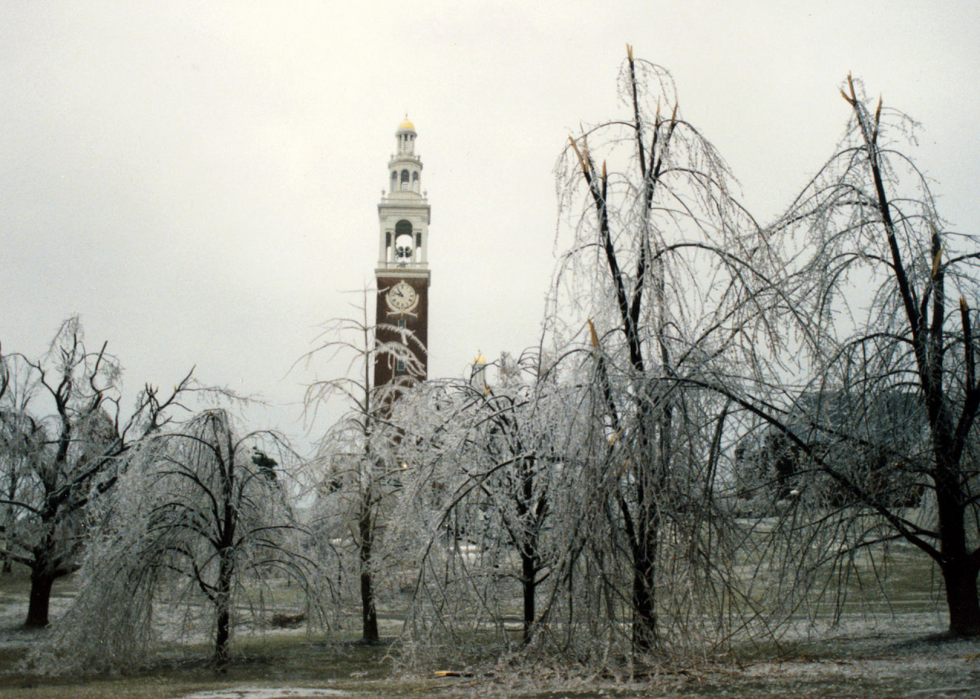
{"x": 401, "y": 298}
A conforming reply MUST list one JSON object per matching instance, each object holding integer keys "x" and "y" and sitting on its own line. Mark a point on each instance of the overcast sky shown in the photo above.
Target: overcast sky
{"x": 199, "y": 180}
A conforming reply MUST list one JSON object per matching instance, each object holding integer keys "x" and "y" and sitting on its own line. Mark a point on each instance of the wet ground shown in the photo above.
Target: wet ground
{"x": 887, "y": 656}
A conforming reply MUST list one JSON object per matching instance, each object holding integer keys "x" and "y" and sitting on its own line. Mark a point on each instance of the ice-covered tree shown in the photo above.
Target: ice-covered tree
{"x": 884, "y": 425}
{"x": 483, "y": 474}
{"x": 63, "y": 434}
{"x": 671, "y": 280}
{"x": 201, "y": 518}
{"x": 356, "y": 471}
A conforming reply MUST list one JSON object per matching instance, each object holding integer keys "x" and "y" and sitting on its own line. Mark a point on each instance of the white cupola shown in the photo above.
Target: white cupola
{"x": 403, "y": 211}
{"x": 405, "y": 168}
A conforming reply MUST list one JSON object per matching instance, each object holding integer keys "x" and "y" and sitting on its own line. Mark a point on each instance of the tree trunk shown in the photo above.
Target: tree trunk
{"x": 42, "y": 580}
{"x": 644, "y": 599}
{"x": 222, "y": 635}
{"x": 959, "y": 568}
{"x": 369, "y": 614}
{"x": 960, "y": 577}
{"x": 528, "y": 547}
{"x": 8, "y": 566}
{"x": 529, "y": 570}
{"x": 650, "y": 487}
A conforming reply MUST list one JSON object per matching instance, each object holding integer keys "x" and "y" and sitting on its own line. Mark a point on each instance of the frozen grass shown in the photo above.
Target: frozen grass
{"x": 878, "y": 650}
{"x": 875, "y": 668}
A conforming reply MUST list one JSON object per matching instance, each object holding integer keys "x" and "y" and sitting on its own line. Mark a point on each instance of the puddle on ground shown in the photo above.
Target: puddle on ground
{"x": 267, "y": 693}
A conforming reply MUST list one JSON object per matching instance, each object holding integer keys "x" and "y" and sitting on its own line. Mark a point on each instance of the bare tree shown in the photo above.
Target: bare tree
{"x": 354, "y": 459}
{"x": 481, "y": 467}
{"x": 201, "y": 517}
{"x": 21, "y": 444}
{"x": 673, "y": 277}
{"x": 64, "y": 434}
{"x": 887, "y": 418}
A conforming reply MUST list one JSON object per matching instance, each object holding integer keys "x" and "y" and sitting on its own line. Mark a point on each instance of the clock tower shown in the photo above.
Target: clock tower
{"x": 402, "y": 273}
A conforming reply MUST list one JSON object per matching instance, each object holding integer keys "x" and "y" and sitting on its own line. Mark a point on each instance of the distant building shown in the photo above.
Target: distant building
{"x": 877, "y": 442}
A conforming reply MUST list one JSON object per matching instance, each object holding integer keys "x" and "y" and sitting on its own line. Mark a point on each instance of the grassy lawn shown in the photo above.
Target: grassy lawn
{"x": 886, "y": 655}
{"x": 270, "y": 662}
{"x": 880, "y": 670}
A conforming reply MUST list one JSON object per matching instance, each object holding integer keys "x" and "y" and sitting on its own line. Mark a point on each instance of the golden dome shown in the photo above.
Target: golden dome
{"x": 406, "y": 125}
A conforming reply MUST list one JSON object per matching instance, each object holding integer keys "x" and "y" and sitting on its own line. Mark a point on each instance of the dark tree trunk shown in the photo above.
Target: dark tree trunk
{"x": 650, "y": 488}
{"x": 222, "y": 635}
{"x": 369, "y": 613}
{"x": 960, "y": 577}
{"x": 42, "y": 579}
{"x": 529, "y": 571}
{"x": 528, "y": 546}
{"x": 959, "y": 568}
{"x": 644, "y": 593}
{"x": 644, "y": 614}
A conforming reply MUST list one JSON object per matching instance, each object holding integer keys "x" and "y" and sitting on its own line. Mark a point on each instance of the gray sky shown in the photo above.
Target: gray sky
{"x": 199, "y": 180}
